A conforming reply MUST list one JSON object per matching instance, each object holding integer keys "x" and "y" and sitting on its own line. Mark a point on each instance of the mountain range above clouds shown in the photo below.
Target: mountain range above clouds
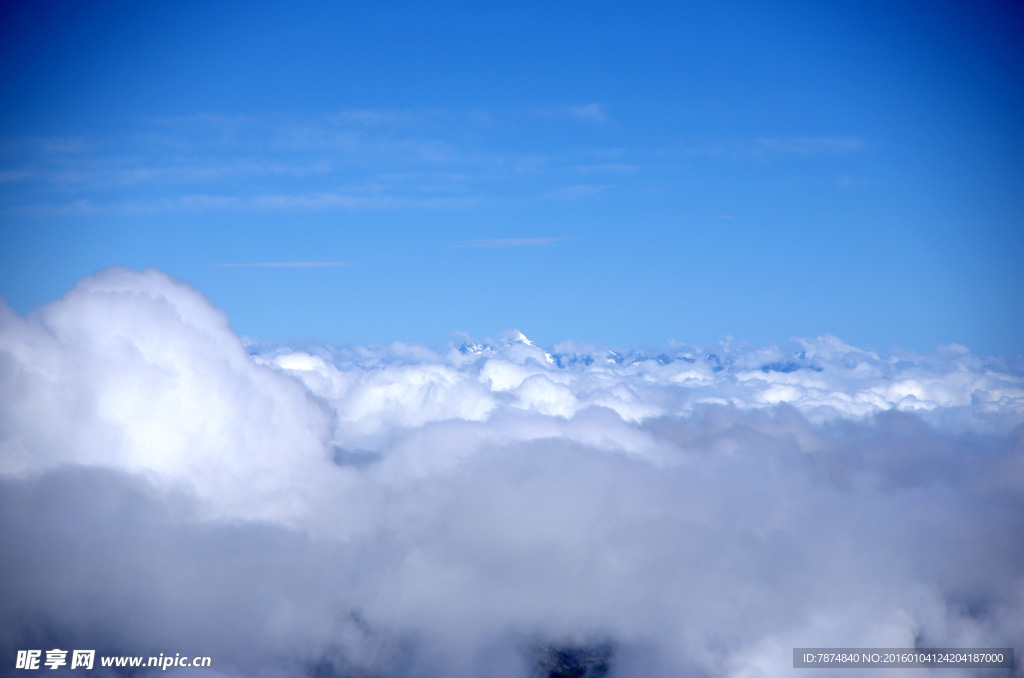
{"x": 822, "y": 377}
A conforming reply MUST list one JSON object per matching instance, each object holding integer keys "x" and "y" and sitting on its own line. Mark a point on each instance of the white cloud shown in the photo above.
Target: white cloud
{"x": 810, "y": 145}
{"x": 769, "y": 147}
{"x": 510, "y": 242}
{"x": 577, "y": 191}
{"x": 143, "y": 374}
{"x": 593, "y": 113}
{"x": 390, "y": 510}
{"x": 288, "y": 264}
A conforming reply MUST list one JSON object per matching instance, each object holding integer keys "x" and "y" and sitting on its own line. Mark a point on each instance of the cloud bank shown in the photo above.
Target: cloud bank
{"x": 494, "y": 508}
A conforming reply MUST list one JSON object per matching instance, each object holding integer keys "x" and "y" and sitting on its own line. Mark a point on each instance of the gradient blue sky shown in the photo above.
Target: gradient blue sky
{"x": 620, "y": 173}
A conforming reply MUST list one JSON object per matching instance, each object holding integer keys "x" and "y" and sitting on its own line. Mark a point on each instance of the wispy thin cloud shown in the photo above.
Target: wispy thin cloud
{"x": 362, "y": 159}
{"x": 510, "y": 242}
{"x": 576, "y": 191}
{"x": 591, "y": 113}
{"x": 7, "y": 176}
{"x": 617, "y": 168}
{"x": 270, "y": 202}
{"x": 765, "y": 147}
{"x": 57, "y": 145}
{"x": 287, "y": 264}
{"x": 810, "y": 145}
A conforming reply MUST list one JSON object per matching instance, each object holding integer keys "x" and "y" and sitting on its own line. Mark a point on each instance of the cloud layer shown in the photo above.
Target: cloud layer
{"x": 392, "y": 510}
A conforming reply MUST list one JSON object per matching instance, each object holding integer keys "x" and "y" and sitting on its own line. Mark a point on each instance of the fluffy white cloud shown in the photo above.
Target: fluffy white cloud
{"x": 139, "y": 372}
{"x": 390, "y": 510}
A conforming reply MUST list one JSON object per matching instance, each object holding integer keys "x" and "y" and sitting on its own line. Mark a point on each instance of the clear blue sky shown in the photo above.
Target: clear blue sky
{"x": 621, "y": 173}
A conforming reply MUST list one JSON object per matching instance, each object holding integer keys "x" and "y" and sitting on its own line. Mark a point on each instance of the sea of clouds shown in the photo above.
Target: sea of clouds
{"x": 392, "y": 510}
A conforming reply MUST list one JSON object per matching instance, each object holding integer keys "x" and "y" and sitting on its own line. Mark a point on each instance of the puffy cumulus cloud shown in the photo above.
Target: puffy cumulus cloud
{"x": 140, "y": 372}
{"x": 494, "y": 509}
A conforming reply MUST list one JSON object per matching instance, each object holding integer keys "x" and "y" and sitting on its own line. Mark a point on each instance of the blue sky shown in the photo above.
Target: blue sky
{"x": 616, "y": 173}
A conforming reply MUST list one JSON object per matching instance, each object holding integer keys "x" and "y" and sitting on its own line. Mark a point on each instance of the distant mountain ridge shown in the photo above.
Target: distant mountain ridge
{"x": 796, "y": 360}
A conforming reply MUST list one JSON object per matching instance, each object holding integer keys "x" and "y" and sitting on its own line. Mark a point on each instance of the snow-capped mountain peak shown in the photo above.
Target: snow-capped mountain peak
{"x": 506, "y": 341}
